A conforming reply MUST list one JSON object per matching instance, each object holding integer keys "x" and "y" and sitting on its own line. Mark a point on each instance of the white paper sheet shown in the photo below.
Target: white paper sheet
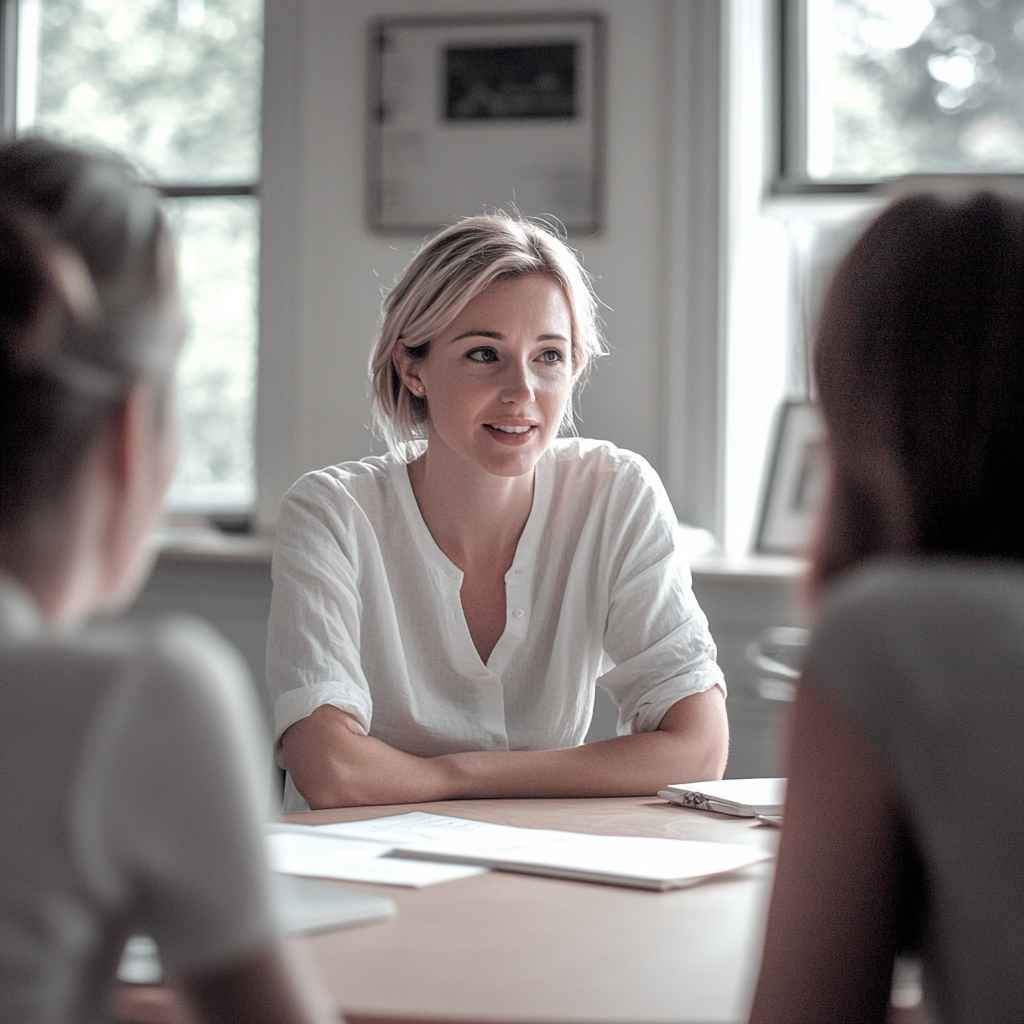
{"x": 417, "y": 827}
{"x": 294, "y": 852}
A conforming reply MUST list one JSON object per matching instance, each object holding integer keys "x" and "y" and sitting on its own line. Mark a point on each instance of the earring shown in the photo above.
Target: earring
{"x": 419, "y": 390}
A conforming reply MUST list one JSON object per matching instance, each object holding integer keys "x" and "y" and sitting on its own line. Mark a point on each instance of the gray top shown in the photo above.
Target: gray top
{"x": 132, "y": 801}
{"x": 928, "y": 658}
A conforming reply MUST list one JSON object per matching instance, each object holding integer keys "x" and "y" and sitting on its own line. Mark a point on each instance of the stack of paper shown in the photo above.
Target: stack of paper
{"x": 616, "y": 860}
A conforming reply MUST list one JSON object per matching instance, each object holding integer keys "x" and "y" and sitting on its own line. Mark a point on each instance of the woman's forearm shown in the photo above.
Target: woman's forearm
{"x": 332, "y": 765}
{"x": 627, "y": 766}
{"x": 690, "y": 745}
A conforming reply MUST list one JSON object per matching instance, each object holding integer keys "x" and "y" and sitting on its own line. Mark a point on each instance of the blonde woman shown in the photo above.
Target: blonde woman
{"x": 442, "y": 614}
{"x": 134, "y": 786}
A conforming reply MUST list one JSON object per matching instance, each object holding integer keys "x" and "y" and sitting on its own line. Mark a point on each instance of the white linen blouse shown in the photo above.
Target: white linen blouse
{"x": 366, "y": 612}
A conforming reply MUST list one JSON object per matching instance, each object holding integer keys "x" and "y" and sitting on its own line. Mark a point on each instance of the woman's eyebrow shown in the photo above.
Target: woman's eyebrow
{"x": 475, "y": 333}
{"x": 498, "y": 336}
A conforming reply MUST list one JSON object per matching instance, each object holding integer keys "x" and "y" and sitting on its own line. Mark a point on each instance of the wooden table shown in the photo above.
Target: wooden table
{"x": 503, "y": 947}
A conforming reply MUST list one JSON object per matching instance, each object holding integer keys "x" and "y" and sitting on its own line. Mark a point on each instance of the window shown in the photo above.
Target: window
{"x": 175, "y": 86}
{"x": 861, "y": 92}
{"x": 874, "y": 89}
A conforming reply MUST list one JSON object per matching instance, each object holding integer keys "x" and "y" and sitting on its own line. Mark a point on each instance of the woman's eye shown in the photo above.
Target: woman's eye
{"x": 482, "y": 355}
{"x": 552, "y": 355}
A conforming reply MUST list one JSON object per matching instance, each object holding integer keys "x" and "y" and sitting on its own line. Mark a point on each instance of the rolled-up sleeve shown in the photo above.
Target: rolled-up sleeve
{"x": 313, "y": 637}
{"x": 656, "y": 634}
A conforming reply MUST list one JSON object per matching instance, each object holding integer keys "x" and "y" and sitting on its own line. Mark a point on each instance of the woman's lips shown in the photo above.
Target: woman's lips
{"x": 520, "y": 437}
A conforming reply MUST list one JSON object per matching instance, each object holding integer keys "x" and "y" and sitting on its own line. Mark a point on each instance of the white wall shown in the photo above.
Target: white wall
{"x": 756, "y": 287}
{"x": 323, "y": 272}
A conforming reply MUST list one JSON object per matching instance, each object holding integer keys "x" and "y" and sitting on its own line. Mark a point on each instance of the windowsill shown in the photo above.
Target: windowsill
{"x": 205, "y": 544}
{"x": 750, "y": 567}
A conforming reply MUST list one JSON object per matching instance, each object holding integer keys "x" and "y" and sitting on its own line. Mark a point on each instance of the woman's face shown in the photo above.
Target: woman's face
{"x": 498, "y": 380}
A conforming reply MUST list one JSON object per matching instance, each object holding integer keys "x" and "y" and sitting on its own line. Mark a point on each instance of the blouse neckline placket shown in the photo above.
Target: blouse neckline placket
{"x": 469, "y": 656}
{"x": 520, "y": 573}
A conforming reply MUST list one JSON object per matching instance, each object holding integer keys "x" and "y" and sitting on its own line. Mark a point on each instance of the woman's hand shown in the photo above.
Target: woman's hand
{"x": 268, "y": 986}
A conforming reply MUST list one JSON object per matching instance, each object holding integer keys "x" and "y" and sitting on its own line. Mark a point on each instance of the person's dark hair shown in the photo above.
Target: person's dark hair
{"x": 919, "y": 364}
{"x": 87, "y": 273}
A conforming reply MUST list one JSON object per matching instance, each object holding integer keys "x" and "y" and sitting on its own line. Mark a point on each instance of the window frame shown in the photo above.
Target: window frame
{"x": 791, "y": 118}
{"x": 8, "y": 65}
{"x": 227, "y": 518}
{"x": 791, "y": 143}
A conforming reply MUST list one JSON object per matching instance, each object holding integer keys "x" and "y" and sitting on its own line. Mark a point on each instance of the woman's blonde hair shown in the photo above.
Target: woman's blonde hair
{"x": 449, "y": 271}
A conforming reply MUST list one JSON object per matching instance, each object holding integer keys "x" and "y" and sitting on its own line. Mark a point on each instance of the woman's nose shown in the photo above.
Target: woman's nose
{"x": 518, "y": 384}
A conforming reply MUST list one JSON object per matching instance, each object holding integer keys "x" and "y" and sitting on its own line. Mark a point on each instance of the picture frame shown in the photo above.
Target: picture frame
{"x": 469, "y": 114}
{"x": 794, "y": 482}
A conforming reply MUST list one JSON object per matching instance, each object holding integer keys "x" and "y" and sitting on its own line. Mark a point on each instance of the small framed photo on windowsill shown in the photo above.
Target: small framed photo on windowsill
{"x": 794, "y": 483}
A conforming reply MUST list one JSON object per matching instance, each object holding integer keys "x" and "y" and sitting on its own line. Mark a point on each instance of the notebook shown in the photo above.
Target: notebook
{"x": 745, "y": 798}
{"x": 302, "y": 904}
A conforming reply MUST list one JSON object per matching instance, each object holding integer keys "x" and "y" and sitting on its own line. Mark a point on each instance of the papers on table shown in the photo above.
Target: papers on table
{"x": 314, "y": 852}
{"x": 615, "y": 860}
{"x": 745, "y": 798}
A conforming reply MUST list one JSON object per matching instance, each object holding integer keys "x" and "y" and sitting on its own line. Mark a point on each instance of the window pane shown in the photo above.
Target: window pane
{"x": 217, "y": 242}
{"x": 914, "y": 86}
{"x": 174, "y": 84}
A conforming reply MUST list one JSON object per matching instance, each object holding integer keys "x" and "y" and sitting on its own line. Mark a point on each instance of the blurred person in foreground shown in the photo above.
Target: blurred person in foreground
{"x": 903, "y": 825}
{"x": 134, "y": 785}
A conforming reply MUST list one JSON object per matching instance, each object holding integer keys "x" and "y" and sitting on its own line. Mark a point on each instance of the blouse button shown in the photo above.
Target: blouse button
{"x": 519, "y": 613}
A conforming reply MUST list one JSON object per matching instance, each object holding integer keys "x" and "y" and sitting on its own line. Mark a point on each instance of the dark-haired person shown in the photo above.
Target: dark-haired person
{"x": 133, "y": 780}
{"x": 904, "y": 823}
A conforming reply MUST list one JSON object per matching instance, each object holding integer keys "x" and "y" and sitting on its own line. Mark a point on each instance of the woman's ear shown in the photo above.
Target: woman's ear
{"x": 143, "y": 445}
{"x": 129, "y": 429}
{"x": 137, "y": 461}
{"x": 579, "y": 364}
{"x": 407, "y": 368}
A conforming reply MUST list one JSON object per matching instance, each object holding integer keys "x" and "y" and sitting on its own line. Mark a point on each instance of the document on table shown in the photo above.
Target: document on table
{"x": 312, "y": 852}
{"x": 615, "y": 860}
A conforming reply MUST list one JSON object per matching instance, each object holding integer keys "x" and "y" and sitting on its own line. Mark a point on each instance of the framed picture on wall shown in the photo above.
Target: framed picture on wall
{"x": 794, "y": 481}
{"x": 469, "y": 114}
